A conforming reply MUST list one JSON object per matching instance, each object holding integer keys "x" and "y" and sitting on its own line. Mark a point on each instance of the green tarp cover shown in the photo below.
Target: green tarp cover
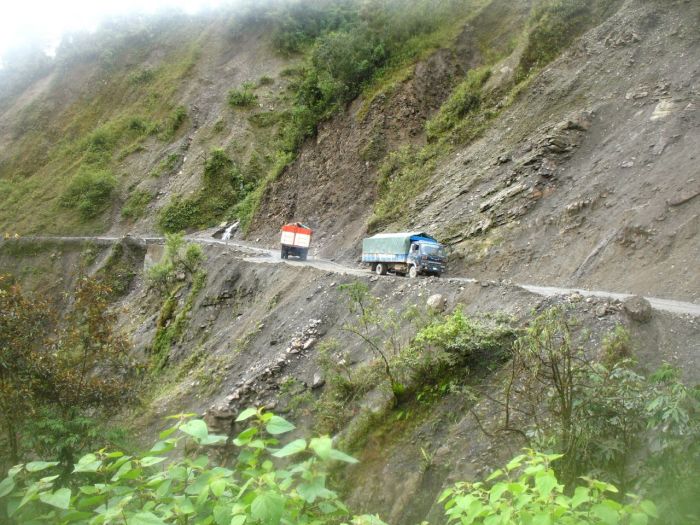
{"x": 390, "y": 243}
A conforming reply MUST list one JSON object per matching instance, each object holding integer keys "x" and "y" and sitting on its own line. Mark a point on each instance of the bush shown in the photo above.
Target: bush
{"x": 449, "y": 344}
{"x": 526, "y": 491}
{"x": 89, "y": 193}
{"x": 135, "y": 206}
{"x": 178, "y": 257}
{"x": 242, "y": 97}
{"x": 161, "y": 486}
{"x": 174, "y": 121}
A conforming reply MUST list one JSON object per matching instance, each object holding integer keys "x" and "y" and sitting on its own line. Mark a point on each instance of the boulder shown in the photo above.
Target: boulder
{"x": 437, "y": 302}
{"x": 637, "y": 308}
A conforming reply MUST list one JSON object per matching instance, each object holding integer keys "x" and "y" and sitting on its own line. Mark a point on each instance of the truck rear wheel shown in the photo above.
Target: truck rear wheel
{"x": 303, "y": 254}
{"x": 412, "y": 272}
{"x": 381, "y": 269}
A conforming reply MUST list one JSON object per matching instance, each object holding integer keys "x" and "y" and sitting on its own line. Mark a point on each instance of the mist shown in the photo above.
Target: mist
{"x": 37, "y": 26}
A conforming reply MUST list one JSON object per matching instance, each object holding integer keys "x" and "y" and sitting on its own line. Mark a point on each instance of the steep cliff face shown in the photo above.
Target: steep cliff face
{"x": 588, "y": 177}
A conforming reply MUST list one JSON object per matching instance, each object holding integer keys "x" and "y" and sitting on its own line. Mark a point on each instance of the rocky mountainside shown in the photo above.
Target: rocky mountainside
{"x": 587, "y": 179}
{"x": 548, "y": 142}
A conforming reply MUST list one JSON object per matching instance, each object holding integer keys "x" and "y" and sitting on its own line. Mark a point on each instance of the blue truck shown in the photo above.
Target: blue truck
{"x": 407, "y": 253}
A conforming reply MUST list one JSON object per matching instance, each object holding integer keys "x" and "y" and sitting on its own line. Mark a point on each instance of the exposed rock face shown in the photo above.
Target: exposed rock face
{"x": 638, "y": 308}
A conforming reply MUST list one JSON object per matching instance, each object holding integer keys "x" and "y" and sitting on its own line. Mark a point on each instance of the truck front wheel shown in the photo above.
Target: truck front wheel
{"x": 381, "y": 269}
{"x": 412, "y": 272}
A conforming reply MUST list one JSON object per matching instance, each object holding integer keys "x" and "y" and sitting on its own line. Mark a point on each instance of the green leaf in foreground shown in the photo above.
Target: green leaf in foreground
{"x": 296, "y": 446}
{"x": 59, "y": 499}
{"x": 278, "y": 425}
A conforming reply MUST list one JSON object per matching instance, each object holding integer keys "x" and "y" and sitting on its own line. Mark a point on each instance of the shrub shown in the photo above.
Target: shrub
{"x": 89, "y": 193}
{"x": 143, "y": 76}
{"x": 527, "y": 491}
{"x": 167, "y": 165}
{"x": 242, "y": 97}
{"x": 135, "y": 206}
{"x": 174, "y": 121}
{"x": 449, "y": 344}
{"x": 161, "y": 486}
{"x": 177, "y": 257}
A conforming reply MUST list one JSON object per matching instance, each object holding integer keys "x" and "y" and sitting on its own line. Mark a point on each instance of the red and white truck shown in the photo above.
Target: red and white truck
{"x": 296, "y": 238}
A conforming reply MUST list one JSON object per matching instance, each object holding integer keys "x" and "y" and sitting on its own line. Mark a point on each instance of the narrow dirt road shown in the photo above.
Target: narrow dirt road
{"x": 260, "y": 255}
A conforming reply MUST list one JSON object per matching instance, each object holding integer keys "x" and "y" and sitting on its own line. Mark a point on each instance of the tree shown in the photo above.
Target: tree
{"x": 88, "y": 374}
{"x": 59, "y": 379}
{"x": 24, "y": 325}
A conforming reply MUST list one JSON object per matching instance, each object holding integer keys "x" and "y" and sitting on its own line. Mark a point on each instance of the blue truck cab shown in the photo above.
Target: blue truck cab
{"x": 406, "y": 253}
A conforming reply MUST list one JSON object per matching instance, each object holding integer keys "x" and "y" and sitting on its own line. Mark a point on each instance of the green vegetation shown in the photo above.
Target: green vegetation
{"x": 466, "y": 114}
{"x": 403, "y": 175}
{"x": 167, "y": 165}
{"x": 178, "y": 258}
{"x": 162, "y": 486}
{"x": 465, "y": 99}
{"x": 446, "y": 352}
{"x": 554, "y": 24}
{"x": 118, "y": 271}
{"x": 89, "y": 193}
{"x": 243, "y": 97}
{"x": 224, "y": 186}
{"x": 601, "y": 414}
{"x": 51, "y": 402}
{"x": 135, "y": 206}
{"x": 344, "y": 50}
{"x": 180, "y": 263}
{"x": 527, "y": 491}
{"x": 77, "y": 146}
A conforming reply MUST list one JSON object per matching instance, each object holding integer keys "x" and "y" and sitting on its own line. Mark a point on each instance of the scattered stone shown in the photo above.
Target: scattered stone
{"x": 318, "y": 381}
{"x": 637, "y": 308}
{"x": 309, "y": 343}
{"x": 627, "y": 164}
{"x": 601, "y": 310}
{"x": 575, "y": 297}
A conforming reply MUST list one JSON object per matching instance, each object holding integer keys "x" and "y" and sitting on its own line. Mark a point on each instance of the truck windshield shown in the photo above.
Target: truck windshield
{"x": 432, "y": 249}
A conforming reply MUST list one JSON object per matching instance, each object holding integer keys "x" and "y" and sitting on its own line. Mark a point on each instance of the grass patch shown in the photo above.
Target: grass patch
{"x": 135, "y": 206}
{"x": 403, "y": 176}
{"x": 224, "y": 187}
{"x": 171, "y": 323}
{"x": 555, "y": 24}
{"x": 464, "y": 100}
{"x": 167, "y": 166}
{"x": 89, "y": 193}
{"x": 245, "y": 210}
{"x": 243, "y": 97}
